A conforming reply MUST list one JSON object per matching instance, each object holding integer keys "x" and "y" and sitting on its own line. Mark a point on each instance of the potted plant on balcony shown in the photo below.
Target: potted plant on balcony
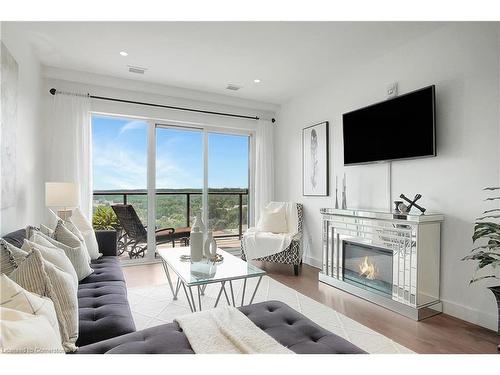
{"x": 104, "y": 218}
{"x": 487, "y": 253}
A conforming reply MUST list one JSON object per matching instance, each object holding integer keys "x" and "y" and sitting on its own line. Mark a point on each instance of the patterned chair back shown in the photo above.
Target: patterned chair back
{"x": 130, "y": 222}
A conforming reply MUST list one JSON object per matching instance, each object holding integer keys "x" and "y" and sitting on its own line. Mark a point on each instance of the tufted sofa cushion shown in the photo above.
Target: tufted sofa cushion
{"x": 278, "y": 320}
{"x": 104, "y": 311}
{"x": 106, "y": 268}
{"x": 164, "y": 339}
{"x": 295, "y": 331}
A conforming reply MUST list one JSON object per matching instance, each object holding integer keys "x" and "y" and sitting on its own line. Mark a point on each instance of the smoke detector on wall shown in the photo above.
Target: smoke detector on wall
{"x": 233, "y": 87}
{"x": 136, "y": 69}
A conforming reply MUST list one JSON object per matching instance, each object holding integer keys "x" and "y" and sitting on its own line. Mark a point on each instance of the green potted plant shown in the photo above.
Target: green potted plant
{"x": 487, "y": 253}
{"x": 104, "y": 218}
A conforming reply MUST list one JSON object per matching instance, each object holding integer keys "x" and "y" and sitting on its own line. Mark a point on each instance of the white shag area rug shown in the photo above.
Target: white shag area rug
{"x": 154, "y": 305}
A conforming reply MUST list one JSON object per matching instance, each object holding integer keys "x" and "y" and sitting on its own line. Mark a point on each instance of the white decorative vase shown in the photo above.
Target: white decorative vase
{"x": 198, "y": 222}
{"x": 210, "y": 249}
{"x": 196, "y": 244}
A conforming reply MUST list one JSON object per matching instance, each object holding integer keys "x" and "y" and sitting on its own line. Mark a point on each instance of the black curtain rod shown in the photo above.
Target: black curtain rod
{"x": 53, "y": 91}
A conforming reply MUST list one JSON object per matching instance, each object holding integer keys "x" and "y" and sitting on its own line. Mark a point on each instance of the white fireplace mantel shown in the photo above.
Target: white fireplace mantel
{"x": 414, "y": 242}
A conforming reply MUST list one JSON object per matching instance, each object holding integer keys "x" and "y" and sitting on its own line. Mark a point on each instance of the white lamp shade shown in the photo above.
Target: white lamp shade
{"x": 61, "y": 194}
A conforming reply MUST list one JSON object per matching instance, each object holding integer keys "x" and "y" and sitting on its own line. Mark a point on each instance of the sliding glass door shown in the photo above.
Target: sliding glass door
{"x": 151, "y": 180}
{"x": 179, "y": 183}
{"x": 201, "y": 172}
{"x": 228, "y": 181}
{"x": 120, "y": 166}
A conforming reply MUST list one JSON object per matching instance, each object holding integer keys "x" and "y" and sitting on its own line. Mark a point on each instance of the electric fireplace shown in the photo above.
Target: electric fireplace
{"x": 368, "y": 267}
{"x": 388, "y": 258}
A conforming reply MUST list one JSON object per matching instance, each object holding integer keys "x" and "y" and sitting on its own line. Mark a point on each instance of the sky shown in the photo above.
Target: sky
{"x": 119, "y": 152}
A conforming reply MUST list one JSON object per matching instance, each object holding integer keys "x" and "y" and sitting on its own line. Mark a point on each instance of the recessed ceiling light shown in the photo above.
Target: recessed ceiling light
{"x": 256, "y": 80}
{"x": 123, "y": 53}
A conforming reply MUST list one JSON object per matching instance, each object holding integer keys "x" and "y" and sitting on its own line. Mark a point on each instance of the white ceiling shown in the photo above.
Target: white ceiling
{"x": 288, "y": 57}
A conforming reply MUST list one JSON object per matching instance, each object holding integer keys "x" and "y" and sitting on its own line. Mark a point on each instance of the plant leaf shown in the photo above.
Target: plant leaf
{"x": 481, "y": 278}
{"x": 492, "y": 188}
{"x": 486, "y": 229}
{"x": 493, "y": 245}
{"x": 492, "y": 198}
{"x": 493, "y": 210}
{"x": 488, "y": 217}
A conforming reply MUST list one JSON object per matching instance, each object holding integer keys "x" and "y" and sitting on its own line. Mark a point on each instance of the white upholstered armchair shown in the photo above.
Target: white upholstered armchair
{"x": 271, "y": 244}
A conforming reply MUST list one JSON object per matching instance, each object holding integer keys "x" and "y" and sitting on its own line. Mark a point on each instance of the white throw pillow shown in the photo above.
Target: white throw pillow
{"x": 13, "y": 296}
{"x": 27, "y": 333}
{"x": 65, "y": 233}
{"x": 43, "y": 278}
{"x": 87, "y": 231}
{"x": 77, "y": 256}
{"x": 46, "y": 230}
{"x": 59, "y": 229}
{"x": 52, "y": 254}
{"x": 10, "y": 255}
{"x": 272, "y": 221}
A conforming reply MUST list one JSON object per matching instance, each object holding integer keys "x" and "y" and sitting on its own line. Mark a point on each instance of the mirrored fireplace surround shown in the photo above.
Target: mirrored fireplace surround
{"x": 389, "y": 259}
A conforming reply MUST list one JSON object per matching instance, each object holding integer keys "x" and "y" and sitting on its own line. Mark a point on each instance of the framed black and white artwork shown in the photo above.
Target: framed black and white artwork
{"x": 315, "y": 160}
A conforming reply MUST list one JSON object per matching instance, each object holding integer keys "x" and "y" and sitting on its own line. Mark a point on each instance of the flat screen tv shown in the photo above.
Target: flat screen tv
{"x": 400, "y": 128}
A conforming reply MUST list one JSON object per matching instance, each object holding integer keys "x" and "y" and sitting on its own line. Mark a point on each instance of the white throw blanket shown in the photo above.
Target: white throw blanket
{"x": 261, "y": 244}
{"x": 226, "y": 330}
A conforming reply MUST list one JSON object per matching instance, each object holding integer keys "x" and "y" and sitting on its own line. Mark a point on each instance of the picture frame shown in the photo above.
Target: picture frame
{"x": 315, "y": 160}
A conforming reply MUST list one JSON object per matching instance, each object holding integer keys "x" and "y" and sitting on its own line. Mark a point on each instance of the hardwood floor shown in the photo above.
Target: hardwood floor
{"x": 438, "y": 334}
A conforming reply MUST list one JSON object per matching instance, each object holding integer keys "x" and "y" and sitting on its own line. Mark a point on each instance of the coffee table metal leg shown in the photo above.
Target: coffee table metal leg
{"x": 203, "y": 287}
{"x": 177, "y": 287}
{"x": 199, "y": 297}
{"x": 243, "y": 294}
{"x": 255, "y": 291}
{"x": 187, "y": 296}
{"x": 232, "y": 293}
{"x": 220, "y": 293}
{"x": 192, "y": 298}
{"x": 225, "y": 293}
{"x": 165, "y": 267}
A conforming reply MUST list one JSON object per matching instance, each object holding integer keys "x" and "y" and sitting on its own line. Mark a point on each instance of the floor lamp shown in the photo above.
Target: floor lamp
{"x": 62, "y": 195}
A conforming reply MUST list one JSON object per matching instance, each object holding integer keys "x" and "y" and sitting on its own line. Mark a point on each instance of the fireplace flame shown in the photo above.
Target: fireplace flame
{"x": 367, "y": 269}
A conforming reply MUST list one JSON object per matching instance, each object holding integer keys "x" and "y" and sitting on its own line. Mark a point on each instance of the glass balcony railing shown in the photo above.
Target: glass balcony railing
{"x": 228, "y": 208}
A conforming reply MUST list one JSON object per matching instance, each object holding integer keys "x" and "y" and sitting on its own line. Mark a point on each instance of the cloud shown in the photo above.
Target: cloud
{"x": 133, "y": 125}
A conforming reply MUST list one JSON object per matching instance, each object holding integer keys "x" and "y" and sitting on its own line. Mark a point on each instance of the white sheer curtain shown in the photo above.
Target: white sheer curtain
{"x": 70, "y": 141}
{"x": 264, "y": 166}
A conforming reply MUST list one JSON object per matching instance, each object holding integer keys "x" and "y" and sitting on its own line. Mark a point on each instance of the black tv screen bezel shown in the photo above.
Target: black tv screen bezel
{"x": 433, "y": 154}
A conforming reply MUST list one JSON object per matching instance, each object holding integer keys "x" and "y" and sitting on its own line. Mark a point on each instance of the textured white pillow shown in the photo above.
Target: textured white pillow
{"x": 43, "y": 278}
{"x": 52, "y": 254}
{"x": 77, "y": 256}
{"x": 272, "y": 221}
{"x": 10, "y": 255}
{"x": 27, "y": 333}
{"x": 13, "y": 296}
{"x": 66, "y": 233}
{"x": 87, "y": 231}
{"x": 60, "y": 229}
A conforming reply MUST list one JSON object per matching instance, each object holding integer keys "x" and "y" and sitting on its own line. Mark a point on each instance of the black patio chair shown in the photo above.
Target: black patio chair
{"x": 134, "y": 236}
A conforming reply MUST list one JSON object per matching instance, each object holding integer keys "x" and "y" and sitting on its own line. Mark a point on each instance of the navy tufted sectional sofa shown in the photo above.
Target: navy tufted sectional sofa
{"x": 106, "y": 324}
{"x": 290, "y": 328}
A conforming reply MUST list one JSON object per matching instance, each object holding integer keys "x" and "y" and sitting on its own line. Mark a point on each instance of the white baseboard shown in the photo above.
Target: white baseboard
{"x": 470, "y": 314}
{"x": 315, "y": 262}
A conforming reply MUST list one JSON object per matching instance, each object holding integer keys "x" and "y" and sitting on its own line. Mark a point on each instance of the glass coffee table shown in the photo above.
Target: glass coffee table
{"x": 199, "y": 274}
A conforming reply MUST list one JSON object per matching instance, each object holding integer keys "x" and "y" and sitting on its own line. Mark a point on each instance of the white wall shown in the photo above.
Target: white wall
{"x": 462, "y": 60}
{"x": 29, "y": 168}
